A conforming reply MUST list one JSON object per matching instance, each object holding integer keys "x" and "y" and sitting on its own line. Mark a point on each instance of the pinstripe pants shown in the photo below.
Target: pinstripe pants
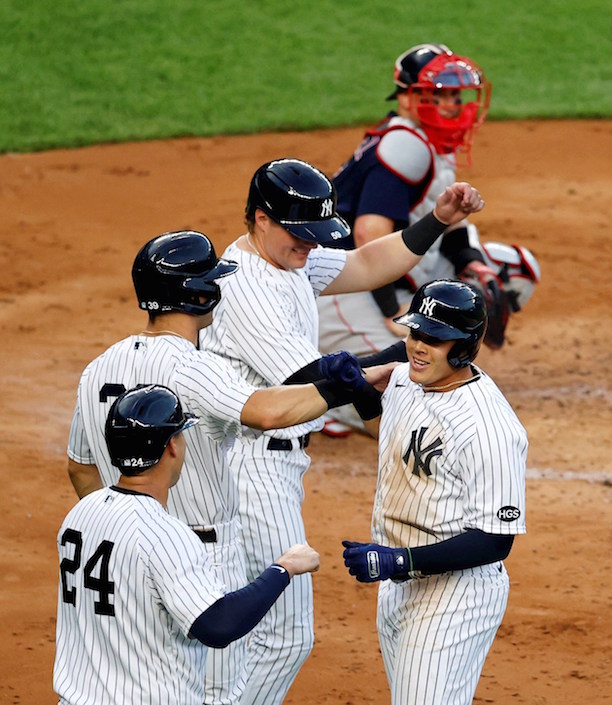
{"x": 271, "y": 496}
{"x": 435, "y": 633}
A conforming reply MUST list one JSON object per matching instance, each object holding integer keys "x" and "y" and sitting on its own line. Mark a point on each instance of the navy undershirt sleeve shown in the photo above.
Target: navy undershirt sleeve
{"x": 394, "y": 353}
{"x": 467, "y": 550}
{"x": 236, "y": 613}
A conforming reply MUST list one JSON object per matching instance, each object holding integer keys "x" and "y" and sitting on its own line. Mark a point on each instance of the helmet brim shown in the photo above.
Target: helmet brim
{"x": 223, "y": 268}
{"x": 431, "y": 327}
{"x": 190, "y": 420}
{"x": 320, "y": 231}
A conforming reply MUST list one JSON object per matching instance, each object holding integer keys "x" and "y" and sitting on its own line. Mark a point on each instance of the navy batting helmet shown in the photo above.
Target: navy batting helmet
{"x": 447, "y": 309}
{"x": 174, "y": 270}
{"x": 298, "y": 196}
{"x": 140, "y": 424}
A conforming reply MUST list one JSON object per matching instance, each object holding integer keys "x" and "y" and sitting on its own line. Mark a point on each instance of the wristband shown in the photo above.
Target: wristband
{"x": 419, "y": 237}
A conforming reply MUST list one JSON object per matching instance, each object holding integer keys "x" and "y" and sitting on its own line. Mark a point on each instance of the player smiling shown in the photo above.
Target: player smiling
{"x": 450, "y": 498}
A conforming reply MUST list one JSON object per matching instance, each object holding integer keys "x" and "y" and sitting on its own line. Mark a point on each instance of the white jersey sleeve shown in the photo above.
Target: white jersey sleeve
{"x": 209, "y": 387}
{"x": 267, "y": 322}
{"x": 493, "y": 464}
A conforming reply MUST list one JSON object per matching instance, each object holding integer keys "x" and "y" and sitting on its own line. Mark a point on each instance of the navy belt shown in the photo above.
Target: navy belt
{"x": 287, "y": 443}
{"x": 206, "y": 535}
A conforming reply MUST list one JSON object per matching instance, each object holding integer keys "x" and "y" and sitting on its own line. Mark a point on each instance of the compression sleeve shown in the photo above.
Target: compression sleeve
{"x": 305, "y": 375}
{"x": 394, "y": 353}
{"x": 236, "y": 613}
{"x": 467, "y": 550}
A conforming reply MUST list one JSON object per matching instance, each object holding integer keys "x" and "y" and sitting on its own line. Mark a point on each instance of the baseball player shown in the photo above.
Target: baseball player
{"x": 450, "y": 498}
{"x": 393, "y": 178}
{"x": 266, "y": 326}
{"x": 139, "y": 599}
{"x": 175, "y": 277}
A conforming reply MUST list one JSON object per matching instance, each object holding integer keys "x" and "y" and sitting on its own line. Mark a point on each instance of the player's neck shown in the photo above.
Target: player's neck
{"x": 467, "y": 374}
{"x": 177, "y": 324}
{"x": 146, "y": 484}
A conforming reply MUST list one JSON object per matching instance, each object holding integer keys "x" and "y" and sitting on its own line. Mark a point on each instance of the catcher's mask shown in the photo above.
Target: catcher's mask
{"x": 174, "y": 271}
{"x": 298, "y": 196}
{"x": 141, "y": 423}
{"x": 447, "y": 309}
{"x": 427, "y": 68}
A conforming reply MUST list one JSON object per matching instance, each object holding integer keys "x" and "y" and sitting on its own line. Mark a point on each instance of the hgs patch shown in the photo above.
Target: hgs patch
{"x": 508, "y": 513}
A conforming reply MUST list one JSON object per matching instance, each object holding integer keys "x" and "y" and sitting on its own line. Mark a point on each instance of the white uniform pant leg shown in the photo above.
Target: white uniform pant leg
{"x": 435, "y": 633}
{"x": 271, "y": 495}
{"x": 226, "y": 669}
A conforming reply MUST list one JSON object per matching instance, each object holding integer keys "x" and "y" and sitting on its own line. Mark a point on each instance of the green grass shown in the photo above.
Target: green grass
{"x": 75, "y": 73}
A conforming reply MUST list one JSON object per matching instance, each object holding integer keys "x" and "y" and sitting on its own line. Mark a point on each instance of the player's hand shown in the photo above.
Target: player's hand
{"x": 456, "y": 201}
{"x": 370, "y": 562}
{"x": 379, "y": 375}
{"x": 300, "y": 558}
{"x": 498, "y": 310}
{"x": 344, "y": 368}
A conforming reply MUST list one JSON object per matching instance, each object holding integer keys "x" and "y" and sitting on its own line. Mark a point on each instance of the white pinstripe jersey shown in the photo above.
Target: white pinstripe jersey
{"x": 132, "y": 582}
{"x": 206, "y": 385}
{"x": 267, "y": 323}
{"x": 448, "y": 462}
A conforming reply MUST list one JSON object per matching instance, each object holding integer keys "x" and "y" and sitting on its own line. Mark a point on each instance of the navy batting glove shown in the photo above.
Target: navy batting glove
{"x": 342, "y": 367}
{"x": 370, "y": 562}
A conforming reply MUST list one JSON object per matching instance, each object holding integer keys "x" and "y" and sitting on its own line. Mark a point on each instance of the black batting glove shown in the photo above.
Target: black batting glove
{"x": 370, "y": 562}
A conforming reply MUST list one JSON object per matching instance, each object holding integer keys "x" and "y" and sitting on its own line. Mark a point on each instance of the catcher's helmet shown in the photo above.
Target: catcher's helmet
{"x": 298, "y": 196}
{"x": 426, "y": 68}
{"x": 140, "y": 424}
{"x": 447, "y": 309}
{"x": 174, "y": 270}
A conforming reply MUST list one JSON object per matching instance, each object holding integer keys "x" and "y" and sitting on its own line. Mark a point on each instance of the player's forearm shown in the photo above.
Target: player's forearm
{"x": 388, "y": 258}
{"x": 236, "y": 613}
{"x": 278, "y": 407}
{"x": 84, "y": 478}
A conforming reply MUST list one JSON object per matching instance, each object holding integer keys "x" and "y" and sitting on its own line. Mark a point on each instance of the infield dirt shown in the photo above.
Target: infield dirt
{"x": 72, "y": 221}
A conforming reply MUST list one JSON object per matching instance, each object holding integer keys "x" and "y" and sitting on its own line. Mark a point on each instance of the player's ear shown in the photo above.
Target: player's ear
{"x": 261, "y": 218}
{"x": 174, "y": 445}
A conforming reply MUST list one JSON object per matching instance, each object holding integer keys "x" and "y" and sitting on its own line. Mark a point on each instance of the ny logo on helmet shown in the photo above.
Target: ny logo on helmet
{"x": 327, "y": 208}
{"x": 427, "y": 306}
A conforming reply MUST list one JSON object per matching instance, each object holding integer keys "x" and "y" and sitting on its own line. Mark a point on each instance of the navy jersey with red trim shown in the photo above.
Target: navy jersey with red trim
{"x": 365, "y": 185}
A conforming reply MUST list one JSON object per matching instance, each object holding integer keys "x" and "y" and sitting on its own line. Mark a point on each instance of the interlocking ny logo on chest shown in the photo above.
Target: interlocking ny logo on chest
{"x": 423, "y": 455}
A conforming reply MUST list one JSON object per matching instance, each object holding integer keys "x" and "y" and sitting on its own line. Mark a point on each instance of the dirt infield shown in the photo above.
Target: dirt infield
{"x": 72, "y": 222}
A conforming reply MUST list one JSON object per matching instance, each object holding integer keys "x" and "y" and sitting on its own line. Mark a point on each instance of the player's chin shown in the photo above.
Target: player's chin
{"x": 299, "y": 258}
{"x": 418, "y": 371}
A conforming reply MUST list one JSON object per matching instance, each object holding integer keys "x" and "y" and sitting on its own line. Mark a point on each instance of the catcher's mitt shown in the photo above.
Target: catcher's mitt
{"x": 490, "y": 286}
